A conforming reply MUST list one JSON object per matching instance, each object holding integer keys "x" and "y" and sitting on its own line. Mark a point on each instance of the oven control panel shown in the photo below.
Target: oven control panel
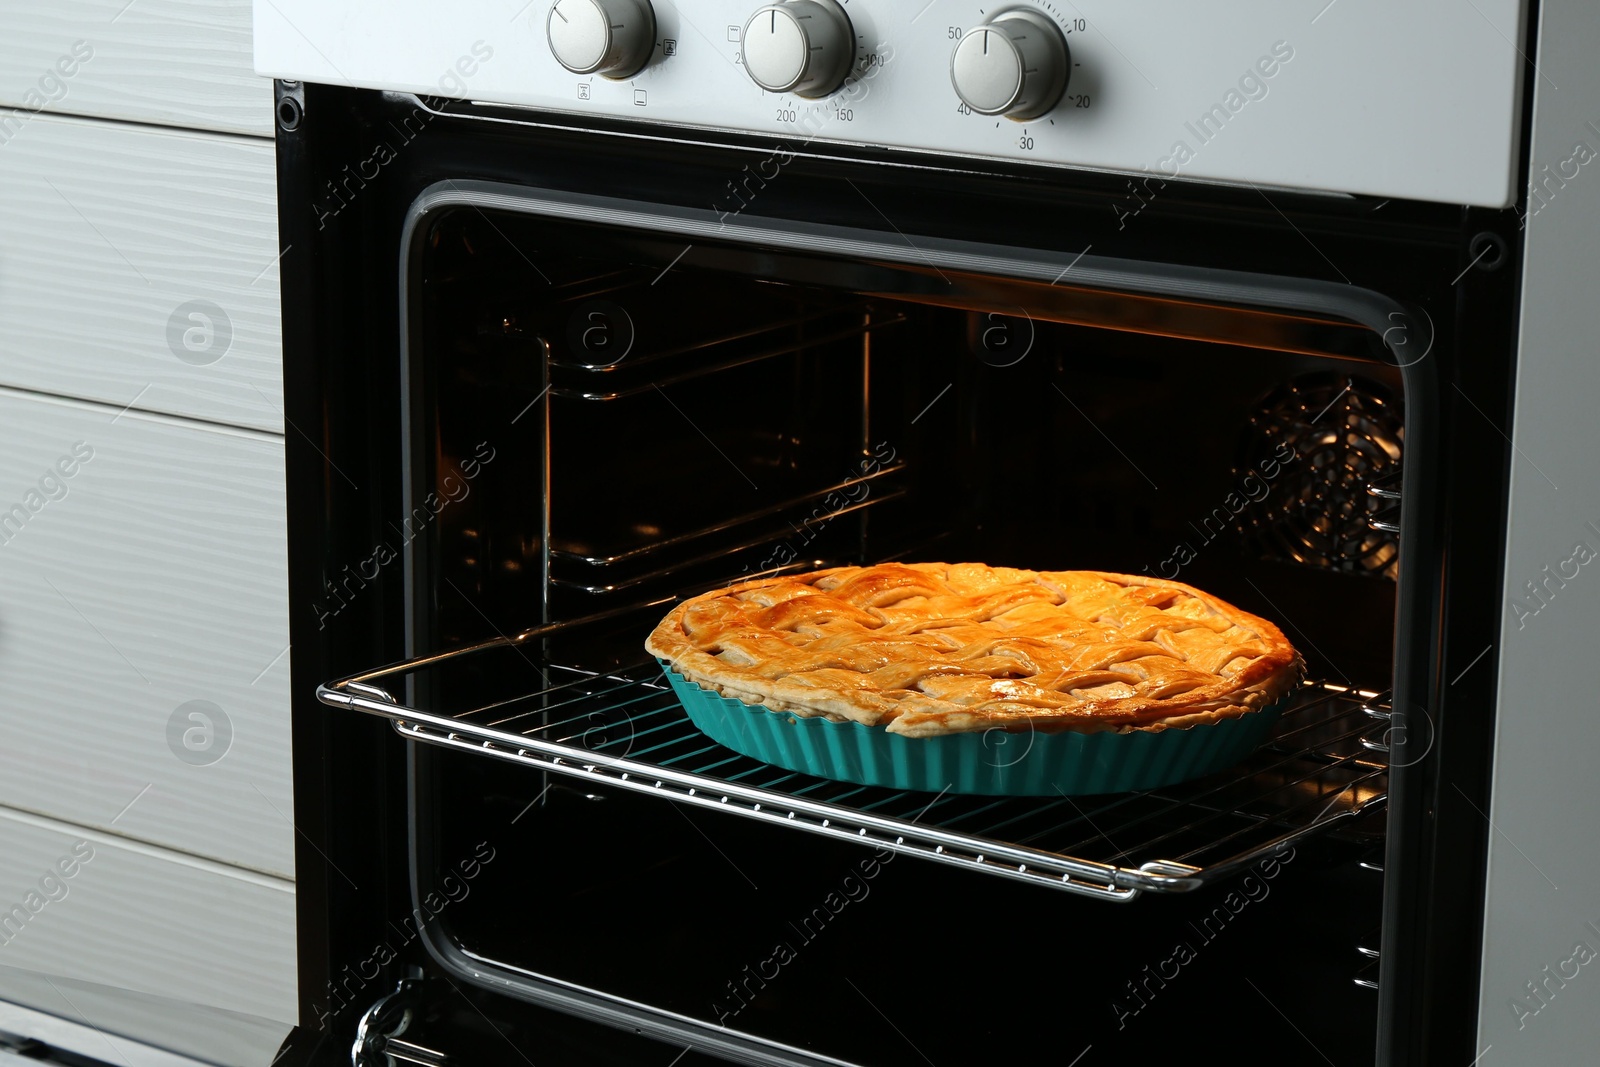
{"x": 1418, "y": 100}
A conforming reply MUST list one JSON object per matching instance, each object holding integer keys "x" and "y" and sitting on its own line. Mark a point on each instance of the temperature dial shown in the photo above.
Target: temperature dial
{"x": 1015, "y": 65}
{"x": 799, "y": 46}
{"x": 612, "y": 38}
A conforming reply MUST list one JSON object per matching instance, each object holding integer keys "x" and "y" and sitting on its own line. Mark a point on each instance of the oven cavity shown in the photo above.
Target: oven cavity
{"x": 664, "y": 416}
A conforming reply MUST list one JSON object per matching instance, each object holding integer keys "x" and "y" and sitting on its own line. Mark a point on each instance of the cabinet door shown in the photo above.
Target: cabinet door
{"x": 171, "y": 62}
{"x": 144, "y": 675}
{"x": 136, "y": 940}
{"x": 138, "y": 266}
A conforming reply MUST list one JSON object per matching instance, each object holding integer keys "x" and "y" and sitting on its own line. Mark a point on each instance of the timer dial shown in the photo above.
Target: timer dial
{"x": 612, "y": 38}
{"x": 1015, "y": 65}
{"x": 799, "y": 46}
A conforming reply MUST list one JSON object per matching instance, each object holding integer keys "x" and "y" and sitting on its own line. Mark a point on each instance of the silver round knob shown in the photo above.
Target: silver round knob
{"x": 612, "y": 38}
{"x": 1015, "y": 65}
{"x": 799, "y": 46}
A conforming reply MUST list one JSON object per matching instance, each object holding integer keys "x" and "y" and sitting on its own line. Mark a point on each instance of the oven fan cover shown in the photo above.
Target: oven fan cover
{"x": 1332, "y": 506}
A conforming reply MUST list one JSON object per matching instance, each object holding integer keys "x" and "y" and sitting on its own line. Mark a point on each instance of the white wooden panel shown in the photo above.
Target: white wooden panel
{"x": 89, "y": 1019}
{"x": 136, "y": 918}
{"x": 174, "y": 62}
{"x": 106, "y": 232}
{"x": 128, "y": 1029}
{"x": 157, "y": 577}
{"x": 89, "y": 1026}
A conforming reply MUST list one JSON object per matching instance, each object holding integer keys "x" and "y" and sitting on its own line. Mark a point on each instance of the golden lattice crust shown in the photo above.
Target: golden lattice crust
{"x": 934, "y": 648}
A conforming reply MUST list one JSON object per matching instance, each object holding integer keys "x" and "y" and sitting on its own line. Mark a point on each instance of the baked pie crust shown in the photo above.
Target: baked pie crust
{"x": 926, "y": 649}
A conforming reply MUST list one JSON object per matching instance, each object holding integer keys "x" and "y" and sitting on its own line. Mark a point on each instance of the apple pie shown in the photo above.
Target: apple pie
{"x": 926, "y": 649}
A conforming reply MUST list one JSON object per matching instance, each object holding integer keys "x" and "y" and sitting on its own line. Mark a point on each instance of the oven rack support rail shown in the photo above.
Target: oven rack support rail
{"x": 1318, "y": 770}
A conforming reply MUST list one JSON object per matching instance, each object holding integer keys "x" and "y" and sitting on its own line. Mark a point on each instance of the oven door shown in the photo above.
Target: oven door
{"x": 496, "y": 852}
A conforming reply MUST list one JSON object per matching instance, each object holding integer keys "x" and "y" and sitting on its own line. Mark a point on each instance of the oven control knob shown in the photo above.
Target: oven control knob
{"x": 612, "y": 38}
{"x": 799, "y": 46}
{"x": 1015, "y": 65}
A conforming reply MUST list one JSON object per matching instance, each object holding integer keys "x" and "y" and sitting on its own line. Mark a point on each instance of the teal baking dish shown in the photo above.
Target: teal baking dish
{"x": 993, "y": 763}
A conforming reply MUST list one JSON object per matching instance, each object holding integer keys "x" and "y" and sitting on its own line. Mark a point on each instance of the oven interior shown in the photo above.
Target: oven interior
{"x": 607, "y": 420}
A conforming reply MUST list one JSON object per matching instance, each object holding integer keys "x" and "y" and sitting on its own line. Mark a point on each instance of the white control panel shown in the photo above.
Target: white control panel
{"x": 1418, "y": 100}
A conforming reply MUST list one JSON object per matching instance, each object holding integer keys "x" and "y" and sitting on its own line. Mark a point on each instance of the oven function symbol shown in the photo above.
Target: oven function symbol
{"x": 612, "y": 38}
{"x": 583, "y": 90}
{"x": 1015, "y": 65}
{"x": 803, "y": 47}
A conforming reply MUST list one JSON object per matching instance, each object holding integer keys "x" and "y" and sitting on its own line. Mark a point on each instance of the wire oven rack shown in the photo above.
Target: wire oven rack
{"x": 626, "y": 728}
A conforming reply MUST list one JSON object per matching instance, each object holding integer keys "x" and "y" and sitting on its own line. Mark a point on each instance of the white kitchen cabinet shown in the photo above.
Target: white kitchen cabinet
{"x": 150, "y": 577}
{"x": 144, "y": 708}
{"x": 172, "y": 62}
{"x": 208, "y": 1034}
{"x": 138, "y": 266}
{"x": 182, "y": 952}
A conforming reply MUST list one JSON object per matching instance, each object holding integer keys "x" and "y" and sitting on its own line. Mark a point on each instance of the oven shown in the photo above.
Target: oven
{"x": 580, "y": 320}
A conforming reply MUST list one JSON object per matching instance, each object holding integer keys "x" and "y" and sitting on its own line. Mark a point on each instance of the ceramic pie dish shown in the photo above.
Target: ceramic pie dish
{"x": 978, "y": 679}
